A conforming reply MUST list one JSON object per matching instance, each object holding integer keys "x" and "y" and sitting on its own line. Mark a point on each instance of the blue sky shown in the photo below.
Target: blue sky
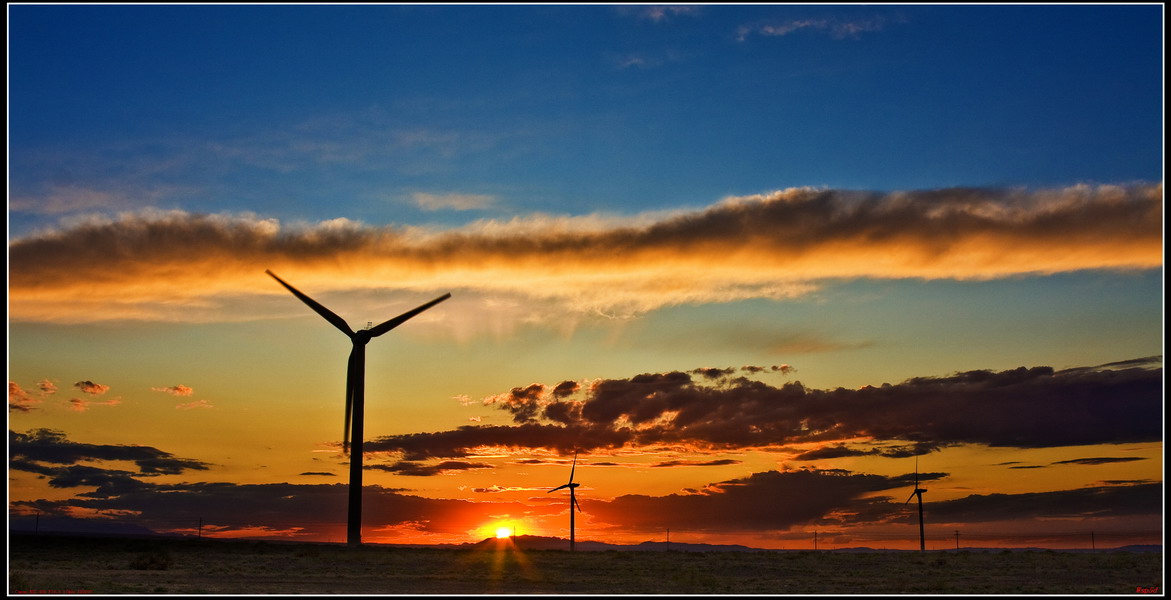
{"x": 811, "y": 197}
{"x": 315, "y": 112}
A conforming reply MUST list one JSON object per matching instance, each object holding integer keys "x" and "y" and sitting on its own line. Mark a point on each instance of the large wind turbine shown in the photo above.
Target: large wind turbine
{"x": 356, "y": 395}
{"x": 918, "y": 492}
{"x": 572, "y": 498}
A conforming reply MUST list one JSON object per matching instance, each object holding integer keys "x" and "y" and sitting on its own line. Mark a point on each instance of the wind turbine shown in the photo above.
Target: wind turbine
{"x": 572, "y": 498}
{"x": 918, "y": 492}
{"x": 356, "y": 395}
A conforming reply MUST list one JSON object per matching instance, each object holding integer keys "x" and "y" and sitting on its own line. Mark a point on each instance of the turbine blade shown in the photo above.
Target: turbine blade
{"x": 329, "y": 315}
{"x": 573, "y": 498}
{"x": 399, "y": 320}
{"x": 574, "y": 467}
{"x": 560, "y": 487}
{"x": 912, "y": 496}
{"x": 349, "y": 402}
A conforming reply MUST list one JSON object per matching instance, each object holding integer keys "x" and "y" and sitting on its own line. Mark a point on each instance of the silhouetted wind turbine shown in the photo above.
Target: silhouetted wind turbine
{"x": 356, "y": 395}
{"x": 919, "y": 492}
{"x": 572, "y": 498}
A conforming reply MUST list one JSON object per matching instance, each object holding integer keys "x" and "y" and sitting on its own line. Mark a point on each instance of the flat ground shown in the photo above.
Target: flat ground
{"x": 58, "y": 564}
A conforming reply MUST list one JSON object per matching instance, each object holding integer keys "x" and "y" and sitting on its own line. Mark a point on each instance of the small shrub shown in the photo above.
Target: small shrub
{"x": 152, "y": 560}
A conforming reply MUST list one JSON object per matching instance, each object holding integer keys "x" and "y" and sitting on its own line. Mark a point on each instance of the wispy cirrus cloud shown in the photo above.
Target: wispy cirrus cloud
{"x": 84, "y": 404}
{"x": 778, "y": 245}
{"x": 453, "y": 201}
{"x": 834, "y": 27}
{"x": 174, "y": 390}
{"x": 194, "y": 404}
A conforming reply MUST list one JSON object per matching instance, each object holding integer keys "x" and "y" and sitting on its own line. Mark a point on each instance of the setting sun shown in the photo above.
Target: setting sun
{"x": 503, "y": 532}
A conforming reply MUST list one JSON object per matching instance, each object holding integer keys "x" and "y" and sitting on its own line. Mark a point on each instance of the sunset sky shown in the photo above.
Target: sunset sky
{"x": 751, "y": 262}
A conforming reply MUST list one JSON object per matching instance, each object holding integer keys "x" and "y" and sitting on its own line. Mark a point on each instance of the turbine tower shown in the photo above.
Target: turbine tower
{"x": 356, "y": 395}
{"x": 919, "y": 493}
{"x": 572, "y": 498}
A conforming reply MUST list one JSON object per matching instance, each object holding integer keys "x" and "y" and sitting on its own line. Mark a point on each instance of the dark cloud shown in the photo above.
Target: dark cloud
{"x": 315, "y": 510}
{"x": 460, "y": 441}
{"x": 770, "y": 500}
{"x": 52, "y": 447}
{"x": 319, "y": 473}
{"x": 92, "y": 388}
{"x": 420, "y": 470}
{"x": 109, "y": 482}
{"x": 566, "y": 388}
{"x": 1099, "y": 460}
{"x": 713, "y": 373}
{"x": 1104, "y": 501}
{"x": 697, "y": 463}
{"x": 1024, "y": 408}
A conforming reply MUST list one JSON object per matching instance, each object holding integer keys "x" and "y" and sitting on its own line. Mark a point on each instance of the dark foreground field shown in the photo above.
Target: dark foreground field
{"x": 57, "y": 564}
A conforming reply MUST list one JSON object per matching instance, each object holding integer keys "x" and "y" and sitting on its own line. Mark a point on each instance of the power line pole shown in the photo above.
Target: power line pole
{"x": 815, "y": 540}
{"x": 1092, "y": 546}
{"x": 957, "y": 539}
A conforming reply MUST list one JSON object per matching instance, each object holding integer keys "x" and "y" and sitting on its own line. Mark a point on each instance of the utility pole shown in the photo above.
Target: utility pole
{"x": 815, "y": 540}
{"x": 1092, "y": 546}
{"x": 957, "y": 539}
{"x": 668, "y": 539}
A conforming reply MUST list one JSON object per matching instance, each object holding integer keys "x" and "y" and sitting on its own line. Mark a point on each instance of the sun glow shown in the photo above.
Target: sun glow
{"x": 503, "y": 532}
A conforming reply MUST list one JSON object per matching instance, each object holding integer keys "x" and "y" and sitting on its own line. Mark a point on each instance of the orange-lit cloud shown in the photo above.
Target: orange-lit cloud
{"x": 175, "y": 390}
{"x": 20, "y": 400}
{"x": 194, "y": 404}
{"x": 83, "y": 404}
{"x": 778, "y": 245}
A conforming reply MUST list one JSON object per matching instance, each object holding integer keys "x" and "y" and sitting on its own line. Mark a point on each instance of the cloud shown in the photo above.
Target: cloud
{"x": 318, "y": 473}
{"x": 1047, "y": 408}
{"x": 778, "y": 245}
{"x": 697, "y": 463}
{"x": 83, "y": 404}
{"x": 20, "y": 400}
{"x": 1099, "y": 460}
{"x": 312, "y": 511}
{"x": 48, "y": 446}
{"x": 664, "y": 12}
{"x": 769, "y": 500}
{"x": 1104, "y": 501}
{"x": 194, "y": 405}
{"x": 417, "y": 470}
{"x": 47, "y": 387}
{"x": 835, "y": 28}
{"x": 176, "y": 390}
{"x": 89, "y": 387}
{"x": 433, "y": 202}
{"x": 772, "y": 500}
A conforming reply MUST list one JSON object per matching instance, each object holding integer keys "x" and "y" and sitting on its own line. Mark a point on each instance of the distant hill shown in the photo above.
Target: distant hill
{"x": 534, "y": 542}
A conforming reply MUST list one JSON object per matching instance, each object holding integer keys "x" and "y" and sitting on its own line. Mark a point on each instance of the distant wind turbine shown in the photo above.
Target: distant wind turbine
{"x": 918, "y": 492}
{"x": 572, "y": 498}
{"x": 356, "y": 395}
